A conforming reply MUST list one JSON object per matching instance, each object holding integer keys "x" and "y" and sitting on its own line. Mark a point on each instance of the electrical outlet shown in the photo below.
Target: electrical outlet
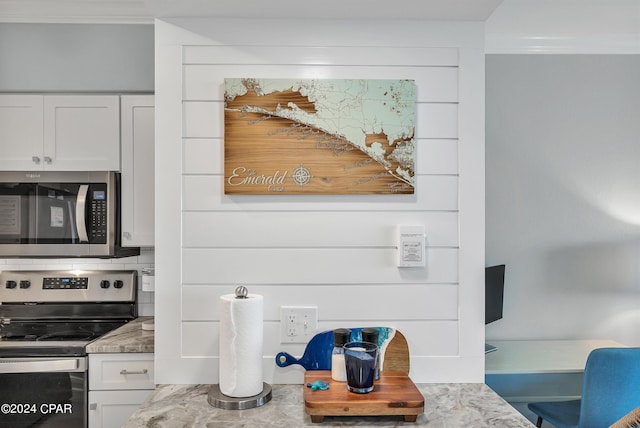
{"x": 298, "y": 324}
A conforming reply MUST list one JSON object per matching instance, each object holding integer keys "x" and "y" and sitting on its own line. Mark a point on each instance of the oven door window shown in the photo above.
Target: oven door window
{"x": 43, "y": 399}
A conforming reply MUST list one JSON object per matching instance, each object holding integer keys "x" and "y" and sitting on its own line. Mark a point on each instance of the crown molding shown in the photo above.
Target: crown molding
{"x": 622, "y": 44}
{"x": 75, "y": 11}
{"x": 564, "y": 27}
{"x": 424, "y": 10}
{"x": 143, "y": 11}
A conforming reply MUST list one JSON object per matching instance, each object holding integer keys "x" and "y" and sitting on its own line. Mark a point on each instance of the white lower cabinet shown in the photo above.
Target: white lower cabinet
{"x": 113, "y": 408}
{"x": 118, "y": 384}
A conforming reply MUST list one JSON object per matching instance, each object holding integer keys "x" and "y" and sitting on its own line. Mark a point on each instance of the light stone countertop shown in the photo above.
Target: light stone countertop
{"x": 446, "y": 406}
{"x": 128, "y": 338}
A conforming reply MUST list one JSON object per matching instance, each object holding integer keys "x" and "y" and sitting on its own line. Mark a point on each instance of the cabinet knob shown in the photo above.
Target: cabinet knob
{"x": 93, "y": 406}
{"x": 47, "y": 159}
{"x": 126, "y": 235}
{"x": 35, "y": 159}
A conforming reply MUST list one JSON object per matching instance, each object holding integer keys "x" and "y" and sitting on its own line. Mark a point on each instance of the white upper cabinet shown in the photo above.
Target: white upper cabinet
{"x": 21, "y": 132}
{"x": 137, "y": 170}
{"x": 82, "y": 132}
{"x": 60, "y": 132}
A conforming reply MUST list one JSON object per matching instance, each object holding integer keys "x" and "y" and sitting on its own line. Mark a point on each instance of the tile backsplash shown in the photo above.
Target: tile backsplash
{"x": 137, "y": 263}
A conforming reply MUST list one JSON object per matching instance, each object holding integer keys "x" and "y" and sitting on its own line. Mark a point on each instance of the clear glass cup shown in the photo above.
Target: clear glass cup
{"x": 360, "y": 361}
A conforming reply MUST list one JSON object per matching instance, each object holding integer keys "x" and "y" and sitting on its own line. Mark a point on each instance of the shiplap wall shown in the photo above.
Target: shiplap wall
{"x": 336, "y": 252}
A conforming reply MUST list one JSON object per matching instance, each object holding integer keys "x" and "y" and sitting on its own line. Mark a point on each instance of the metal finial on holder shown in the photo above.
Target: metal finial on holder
{"x": 242, "y": 292}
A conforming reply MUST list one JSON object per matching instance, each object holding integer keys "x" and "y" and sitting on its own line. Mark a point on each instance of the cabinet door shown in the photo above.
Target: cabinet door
{"x": 111, "y": 409}
{"x": 137, "y": 180}
{"x": 82, "y": 132}
{"x": 21, "y": 130}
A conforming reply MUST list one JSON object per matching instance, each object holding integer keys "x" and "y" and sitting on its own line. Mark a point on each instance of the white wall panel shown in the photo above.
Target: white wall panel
{"x": 322, "y": 250}
{"x": 204, "y": 193}
{"x": 203, "y": 155}
{"x": 204, "y": 119}
{"x": 433, "y": 84}
{"x": 446, "y": 368}
{"x": 400, "y": 301}
{"x": 306, "y": 229}
{"x": 313, "y": 266}
{"x": 206, "y": 156}
{"x": 437, "y": 120}
{"x": 321, "y": 55}
{"x": 437, "y": 156}
{"x": 440, "y": 338}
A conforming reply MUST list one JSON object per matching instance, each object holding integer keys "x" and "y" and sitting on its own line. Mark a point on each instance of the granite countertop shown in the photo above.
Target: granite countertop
{"x": 446, "y": 406}
{"x": 128, "y": 338}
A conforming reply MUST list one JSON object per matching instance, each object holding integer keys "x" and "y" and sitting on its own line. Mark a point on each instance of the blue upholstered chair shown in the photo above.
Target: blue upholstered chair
{"x": 610, "y": 390}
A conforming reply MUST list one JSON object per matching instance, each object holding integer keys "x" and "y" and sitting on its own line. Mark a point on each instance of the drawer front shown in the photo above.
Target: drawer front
{"x": 121, "y": 371}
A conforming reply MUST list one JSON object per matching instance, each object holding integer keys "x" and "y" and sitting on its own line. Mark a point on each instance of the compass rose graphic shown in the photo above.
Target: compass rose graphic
{"x": 301, "y": 175}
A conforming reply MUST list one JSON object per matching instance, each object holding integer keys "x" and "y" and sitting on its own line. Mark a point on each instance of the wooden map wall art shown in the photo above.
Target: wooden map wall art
{"x": 319, "y": 136}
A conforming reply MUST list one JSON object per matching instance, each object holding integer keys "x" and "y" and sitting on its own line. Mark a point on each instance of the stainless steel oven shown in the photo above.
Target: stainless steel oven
{"x": 46, "y": 320}
{"x": 43, "y": 392}
{"x": 60, "y": 214}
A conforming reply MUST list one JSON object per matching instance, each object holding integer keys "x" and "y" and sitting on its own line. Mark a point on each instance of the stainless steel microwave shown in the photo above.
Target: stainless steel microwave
{"x": 61, "y": 214}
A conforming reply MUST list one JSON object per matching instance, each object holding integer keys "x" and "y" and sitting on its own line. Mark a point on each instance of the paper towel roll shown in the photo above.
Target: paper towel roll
{"x": 241, "y": 336}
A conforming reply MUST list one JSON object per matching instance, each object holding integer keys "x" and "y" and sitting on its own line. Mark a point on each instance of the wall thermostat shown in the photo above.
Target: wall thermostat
{"x": 411, "y": 248}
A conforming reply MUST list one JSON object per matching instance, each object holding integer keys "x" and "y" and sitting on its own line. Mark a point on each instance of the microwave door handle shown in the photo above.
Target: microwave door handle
{"x": 81, "y": 221}
{"x": 72, "y": 231}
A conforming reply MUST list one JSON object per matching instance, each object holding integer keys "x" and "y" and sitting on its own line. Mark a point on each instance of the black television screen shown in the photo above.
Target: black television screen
{"x": 493, "y": 293}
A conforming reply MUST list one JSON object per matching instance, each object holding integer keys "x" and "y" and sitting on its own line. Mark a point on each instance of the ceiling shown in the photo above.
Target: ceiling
{"x": 511, "y": 26}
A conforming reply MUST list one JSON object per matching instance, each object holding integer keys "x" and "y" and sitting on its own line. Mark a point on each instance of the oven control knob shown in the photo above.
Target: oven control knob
{"x": 25, "y": 284}
{"x": 118, "y": 283}
{"x": 11, "y": 284}
{"x": 104, "y": 284}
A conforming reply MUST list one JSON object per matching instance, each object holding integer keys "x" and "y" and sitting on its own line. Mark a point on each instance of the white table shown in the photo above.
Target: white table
{"x": 525, "y": 371}
{"x": 542, "y": 356}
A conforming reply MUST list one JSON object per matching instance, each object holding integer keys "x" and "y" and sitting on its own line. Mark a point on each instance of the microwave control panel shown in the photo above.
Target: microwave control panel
{"x": 98, "y": 215}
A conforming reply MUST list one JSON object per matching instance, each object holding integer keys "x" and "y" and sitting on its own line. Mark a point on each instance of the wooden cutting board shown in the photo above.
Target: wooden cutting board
{"x": 396, "y": 355}
{"x": 393, "y": 394}
{"x": 317, "y": 354}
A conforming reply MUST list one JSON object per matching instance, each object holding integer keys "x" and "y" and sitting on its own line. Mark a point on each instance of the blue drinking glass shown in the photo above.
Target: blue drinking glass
{"x": 360, "y": 361}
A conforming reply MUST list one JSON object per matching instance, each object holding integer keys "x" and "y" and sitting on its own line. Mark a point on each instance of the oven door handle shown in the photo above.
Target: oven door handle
{"x": 38, "y": 366}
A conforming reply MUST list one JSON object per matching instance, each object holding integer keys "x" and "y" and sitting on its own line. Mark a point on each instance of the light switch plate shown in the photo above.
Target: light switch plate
{"x": 298, "y": 324}
{"x": 411, "y": 246}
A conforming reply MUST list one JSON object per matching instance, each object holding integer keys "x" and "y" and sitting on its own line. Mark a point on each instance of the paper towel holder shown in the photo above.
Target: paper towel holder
{"x": 217, "y": 399}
